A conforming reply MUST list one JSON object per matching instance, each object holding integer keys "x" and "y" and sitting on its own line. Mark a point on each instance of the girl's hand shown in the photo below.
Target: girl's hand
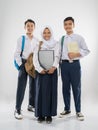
{"x": 51, "y": 70}
{"x": 43, "y": 72}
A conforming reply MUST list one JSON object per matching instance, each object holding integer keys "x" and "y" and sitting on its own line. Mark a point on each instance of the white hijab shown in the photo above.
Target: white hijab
{"x": 51, "y": 43}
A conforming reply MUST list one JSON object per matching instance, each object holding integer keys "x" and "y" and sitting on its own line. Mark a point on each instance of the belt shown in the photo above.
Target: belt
{"x": 70, "y": 61}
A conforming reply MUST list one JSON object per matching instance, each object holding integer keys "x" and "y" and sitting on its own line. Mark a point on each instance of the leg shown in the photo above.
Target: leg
{"x": 38, "y": 96}
{"x": 31, "y": 91}
{"x": 22, "y": 80}
{"x": 76, "y": 84}
{"x": 66, "y": 84}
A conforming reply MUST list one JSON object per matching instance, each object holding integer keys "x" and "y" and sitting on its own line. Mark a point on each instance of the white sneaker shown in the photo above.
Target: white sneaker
{"x": 31, "y": 108}
{"x": 18, "y": 114}
{"x": 64, "y": 113}
{"x": 80, "y": 116}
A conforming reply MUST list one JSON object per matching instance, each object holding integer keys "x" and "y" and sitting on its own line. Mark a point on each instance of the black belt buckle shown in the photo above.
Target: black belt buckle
{"x": 70, "y": 61}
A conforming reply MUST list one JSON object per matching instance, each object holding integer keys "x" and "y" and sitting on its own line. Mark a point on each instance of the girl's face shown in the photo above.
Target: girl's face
{"x": 46, "y": 34}
{"x": 29, "y": 27}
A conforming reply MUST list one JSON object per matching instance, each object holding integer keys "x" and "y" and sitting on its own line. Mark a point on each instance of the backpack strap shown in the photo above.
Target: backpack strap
{"x": 40, "y": 44}
{"x": 62, "y": 42}
{"x": 22, "y": 48}
{"x": 23, "y": 44}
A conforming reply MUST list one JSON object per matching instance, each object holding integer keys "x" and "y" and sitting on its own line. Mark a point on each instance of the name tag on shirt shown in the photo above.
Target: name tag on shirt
{"x": 73, "y": 47}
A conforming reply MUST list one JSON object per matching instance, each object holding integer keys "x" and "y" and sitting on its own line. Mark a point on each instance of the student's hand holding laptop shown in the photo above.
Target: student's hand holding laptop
{"x": 51, "y": 70}
{"x": 43, "y": 72}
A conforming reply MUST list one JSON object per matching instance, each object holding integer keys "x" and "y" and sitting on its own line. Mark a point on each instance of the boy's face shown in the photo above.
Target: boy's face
{"x": 68, "y": 26}
{"x": 29, "y": 27}
{"x": 46, "y": 34}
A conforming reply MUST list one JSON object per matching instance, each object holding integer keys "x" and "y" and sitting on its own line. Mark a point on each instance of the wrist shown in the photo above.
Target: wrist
{"x": 53, "y": 67}
{"x": 77, "y": 55}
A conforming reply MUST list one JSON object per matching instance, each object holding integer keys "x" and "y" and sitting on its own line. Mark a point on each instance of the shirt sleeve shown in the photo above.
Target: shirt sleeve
{"x": 35, "y": 60}
{"x": 17, "y": 53}
{"x": 83, "y": 48}
{"x": 57, "y": 55}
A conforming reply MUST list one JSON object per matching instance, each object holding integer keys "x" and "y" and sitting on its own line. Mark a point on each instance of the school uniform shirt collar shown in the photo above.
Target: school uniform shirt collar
{"x": 26, "y": 36}
{"x": 71, "y": 35}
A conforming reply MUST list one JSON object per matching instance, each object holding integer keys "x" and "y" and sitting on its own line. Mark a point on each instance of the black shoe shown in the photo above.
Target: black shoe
{"x": 31, "y": 108}
{"x": 41, "y": 119}
{"x": 49, "y": 119}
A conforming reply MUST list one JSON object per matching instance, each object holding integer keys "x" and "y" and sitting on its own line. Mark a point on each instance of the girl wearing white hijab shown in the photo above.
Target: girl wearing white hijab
{"x": 46, "y": 81}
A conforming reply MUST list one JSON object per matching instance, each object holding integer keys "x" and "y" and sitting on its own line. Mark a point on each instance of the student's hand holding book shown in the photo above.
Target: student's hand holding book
{"x": 73, "y": 50}
{"x": 73, "y": 55}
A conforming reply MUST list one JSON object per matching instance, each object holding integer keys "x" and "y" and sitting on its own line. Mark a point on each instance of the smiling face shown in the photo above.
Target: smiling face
{"x": 46, "y": 34}
{"x": 29, "y": 27}
{"x": 68, "y": 26}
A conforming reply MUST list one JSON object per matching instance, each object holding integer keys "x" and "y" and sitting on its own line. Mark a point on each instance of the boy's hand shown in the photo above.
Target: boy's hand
{"x": 72, "y": 55}
{"x": 51, "y": 70}
{"x": 43, "y": 72}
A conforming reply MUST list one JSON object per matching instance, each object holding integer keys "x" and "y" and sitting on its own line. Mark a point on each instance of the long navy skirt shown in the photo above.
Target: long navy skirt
{"x": 46, "y": 94}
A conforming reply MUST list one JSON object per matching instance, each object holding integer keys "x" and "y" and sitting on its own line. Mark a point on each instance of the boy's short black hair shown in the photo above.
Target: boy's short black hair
{"x": 69, "y": 18}
{"x": 29, "y": 20}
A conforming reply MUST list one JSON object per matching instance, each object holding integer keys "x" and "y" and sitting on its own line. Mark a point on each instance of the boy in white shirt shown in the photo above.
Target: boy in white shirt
{"x": 29, "y": 46}
{"x": 72, "y": 49}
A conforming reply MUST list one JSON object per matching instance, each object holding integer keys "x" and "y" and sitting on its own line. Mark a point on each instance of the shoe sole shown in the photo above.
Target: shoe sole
{"x": 18, "y": 118}
{"x": 41, "y": 121}
{"x": 48, "y": 122}
{"x": 30, "y": 110}
{"x": 80, "y": 119}
{"x": 61, "y": 116}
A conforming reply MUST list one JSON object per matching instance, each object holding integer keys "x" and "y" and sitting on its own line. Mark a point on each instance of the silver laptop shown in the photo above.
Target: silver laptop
{"x": 46, "y": 58}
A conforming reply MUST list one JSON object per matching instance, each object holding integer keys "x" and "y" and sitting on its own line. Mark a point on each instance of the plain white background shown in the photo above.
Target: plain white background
{"x": 13, "y": 13}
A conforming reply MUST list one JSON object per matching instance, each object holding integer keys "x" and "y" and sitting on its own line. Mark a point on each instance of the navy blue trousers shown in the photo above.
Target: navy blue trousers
{"x": 46, "y": 94}
{"x": 21, "y": 86}
{"x": 71, "y": 77}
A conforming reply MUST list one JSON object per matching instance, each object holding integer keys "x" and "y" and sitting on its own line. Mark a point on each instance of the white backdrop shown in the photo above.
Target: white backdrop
{"x": 13, "y": 13}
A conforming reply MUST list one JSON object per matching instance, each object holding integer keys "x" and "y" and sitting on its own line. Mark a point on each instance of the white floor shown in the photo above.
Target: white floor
{"x": 8, "y": 122}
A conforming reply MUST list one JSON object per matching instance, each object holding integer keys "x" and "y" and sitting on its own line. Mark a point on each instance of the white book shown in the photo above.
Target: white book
{"x": 73, "y": 47}
{"x": 46, "y": 58}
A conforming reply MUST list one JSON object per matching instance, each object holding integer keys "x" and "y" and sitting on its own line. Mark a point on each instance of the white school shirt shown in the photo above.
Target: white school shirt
{"x": 83, "y": 49}
{"x": 56, "y": 59}
{"x": 29, "y": 47}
